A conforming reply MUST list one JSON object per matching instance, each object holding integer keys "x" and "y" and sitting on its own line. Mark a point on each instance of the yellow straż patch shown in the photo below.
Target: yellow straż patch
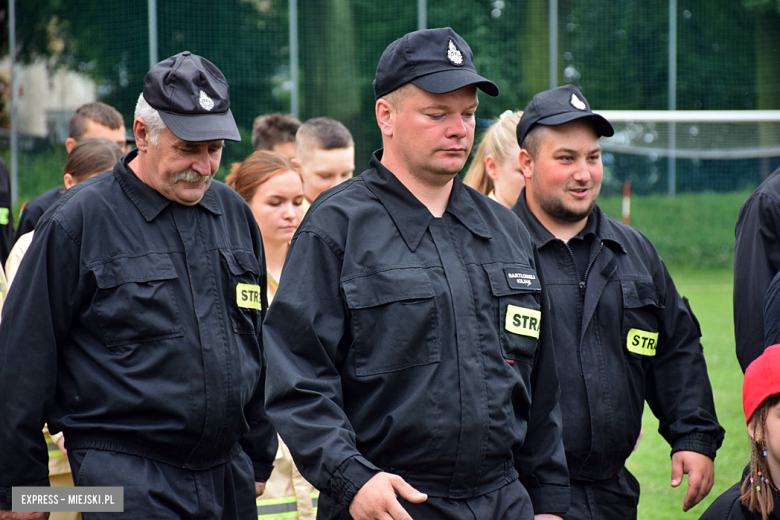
{"x": 522, "y": 321}
{"x": 642, "y": 342}
{"x": 248, "y": 296}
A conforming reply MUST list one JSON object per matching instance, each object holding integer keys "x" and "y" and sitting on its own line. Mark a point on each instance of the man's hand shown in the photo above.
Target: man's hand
{"x": 545, "y": 516}
{"x": 701, "y": 475}
{"x": 60, "y": 440}
{"x": 376, "y": 500}
{"x": 259, "y": 489}
{"x": 7, "y": 514}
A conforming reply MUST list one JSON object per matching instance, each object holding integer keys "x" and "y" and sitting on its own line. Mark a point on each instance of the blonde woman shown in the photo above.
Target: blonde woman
{"x": 495, "y": 169}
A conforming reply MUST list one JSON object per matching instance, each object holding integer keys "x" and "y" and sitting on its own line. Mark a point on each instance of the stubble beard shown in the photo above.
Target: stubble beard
{"x": 558, "y": 210}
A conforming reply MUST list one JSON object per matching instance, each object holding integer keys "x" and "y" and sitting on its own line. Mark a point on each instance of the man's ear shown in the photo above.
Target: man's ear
{"x": 142, "y": 136}
{"x": 526, "y": 164}
{"x": 296, "y": 162}
{"x": 69, "y": 144}
{"x": 68, "y": 181}
{"x": 385, "y": 117}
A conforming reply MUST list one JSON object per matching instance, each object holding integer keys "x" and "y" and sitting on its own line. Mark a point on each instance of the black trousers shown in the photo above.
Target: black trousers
{"x": 153, "y": 490}
{"x": 510, "y": 502}
{"x": 611, "y": 499}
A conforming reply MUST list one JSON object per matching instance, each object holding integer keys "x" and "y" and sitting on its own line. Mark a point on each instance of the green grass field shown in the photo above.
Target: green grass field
{"x": 709, "y": 292}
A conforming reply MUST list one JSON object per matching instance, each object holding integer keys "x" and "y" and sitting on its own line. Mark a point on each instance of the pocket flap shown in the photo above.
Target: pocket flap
{"x": 148, "y": 268}
{"x": 388, "y": 286}
{"x": 240, "y": 262}
{"x": 508, "y": 279}
{"x": 638, "y": 294}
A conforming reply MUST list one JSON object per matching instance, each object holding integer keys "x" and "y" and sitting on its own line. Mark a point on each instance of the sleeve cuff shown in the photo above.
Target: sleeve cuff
{"x": 551, "y": 500}
{"x": 262, "y": 471}
{"x": 349, "y": 478}
{"x": 699, "y": 442}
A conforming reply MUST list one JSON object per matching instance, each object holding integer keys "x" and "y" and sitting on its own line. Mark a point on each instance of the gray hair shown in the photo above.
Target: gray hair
{"x": 151, "y": 117}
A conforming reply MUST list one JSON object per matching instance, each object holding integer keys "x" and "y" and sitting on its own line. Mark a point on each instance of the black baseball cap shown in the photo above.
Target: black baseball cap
{"x": 436, "y": 60}
{"x": 192, "y": 97}
{"x": 558, "y": 106}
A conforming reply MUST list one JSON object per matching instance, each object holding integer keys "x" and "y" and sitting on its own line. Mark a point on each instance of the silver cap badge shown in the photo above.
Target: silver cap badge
{"x": 577, "y": 103}
{"x": 205, "y": 101}
{"x": 454, "y": 54}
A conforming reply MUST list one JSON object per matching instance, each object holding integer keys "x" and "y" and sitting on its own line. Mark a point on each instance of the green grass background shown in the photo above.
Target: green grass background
{"x": 694, "y": 233}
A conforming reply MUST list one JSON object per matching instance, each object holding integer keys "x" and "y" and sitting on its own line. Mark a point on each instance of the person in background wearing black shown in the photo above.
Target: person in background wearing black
{"x": 90, "y": 120}
{"x": 6, "y": 215}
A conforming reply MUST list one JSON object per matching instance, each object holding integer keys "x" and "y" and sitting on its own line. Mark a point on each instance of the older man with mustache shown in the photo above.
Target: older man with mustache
{"x": 135, "y": 323}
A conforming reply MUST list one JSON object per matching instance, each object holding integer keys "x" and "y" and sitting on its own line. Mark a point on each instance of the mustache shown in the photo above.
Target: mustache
{"x": 191, "y": 175}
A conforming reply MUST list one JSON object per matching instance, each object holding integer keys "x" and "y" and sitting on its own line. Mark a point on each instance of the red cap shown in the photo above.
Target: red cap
{"x": 762, "y": 379}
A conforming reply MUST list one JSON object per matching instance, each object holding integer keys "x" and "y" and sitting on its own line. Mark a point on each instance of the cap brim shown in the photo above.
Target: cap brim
{"x": 602, "y": 126}
{"x": 446, "y": 81}
{"x": 202, "y": 127}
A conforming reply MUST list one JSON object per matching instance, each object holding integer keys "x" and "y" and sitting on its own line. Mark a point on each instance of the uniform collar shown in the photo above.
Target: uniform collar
{"x": 597, "y": 224}
{"x": 410, "y": 216}
{"x": 149, "y": 201}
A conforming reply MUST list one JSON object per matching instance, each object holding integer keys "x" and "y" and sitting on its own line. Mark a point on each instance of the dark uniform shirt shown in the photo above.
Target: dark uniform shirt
{"x": 623, "y": 336}
{"x": 6, "y": 217}
{"x": 756, "y": 262}
{"x": 772, "y": 313}
{"x": 728, "y": 506}
{"x": 133, "y": 325}
{"x": 34, "y": 210}
{"x": 413, "y": 344}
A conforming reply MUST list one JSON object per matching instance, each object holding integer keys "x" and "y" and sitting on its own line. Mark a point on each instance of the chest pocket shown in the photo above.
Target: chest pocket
{"x": 642, "y": 312}
{"x": 518, "y": 293}
{"x": 245, "y": 292}
{"x": 135, "y": 302}
{"x": 394, "y": 323}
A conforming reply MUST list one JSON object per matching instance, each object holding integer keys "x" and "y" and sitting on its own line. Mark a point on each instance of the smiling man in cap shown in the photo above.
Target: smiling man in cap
{"x": 622, "y": 333}
{"x": 413, "y": 373}
{"x": 136, "y": 328}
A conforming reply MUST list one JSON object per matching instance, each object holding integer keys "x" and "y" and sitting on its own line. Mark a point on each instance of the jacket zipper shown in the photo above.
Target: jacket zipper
{"x": 582, "y": 283}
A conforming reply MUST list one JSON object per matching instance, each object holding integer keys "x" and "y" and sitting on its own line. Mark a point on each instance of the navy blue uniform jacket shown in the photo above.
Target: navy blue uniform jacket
{"x": 133, "y": 326}
{"x": 415, "y": 345}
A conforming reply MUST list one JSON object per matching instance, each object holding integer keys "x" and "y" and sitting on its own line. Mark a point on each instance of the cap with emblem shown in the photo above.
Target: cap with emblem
{"x": 436, "y": 60}
{"x": 192, "y": 97}
{"x": 558, "y": 106}
{"x": 762, "y": 380}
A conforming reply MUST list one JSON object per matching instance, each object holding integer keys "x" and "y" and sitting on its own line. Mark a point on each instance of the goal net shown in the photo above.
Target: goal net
{"x": 678, "y": 151}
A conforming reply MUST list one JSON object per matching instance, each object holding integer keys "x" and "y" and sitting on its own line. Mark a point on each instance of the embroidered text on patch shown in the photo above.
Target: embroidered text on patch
{"x": 642, "y": 342}
{"x": 522, "y": 321}
{"x": 248, "y": 296}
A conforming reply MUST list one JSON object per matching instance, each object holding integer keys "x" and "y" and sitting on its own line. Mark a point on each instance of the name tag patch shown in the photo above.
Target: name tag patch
{"x": 519, "y": 278}
{"x": 522, "y": 321}
{"x": 248, "y": 296}
{"x": 642, "y": 342}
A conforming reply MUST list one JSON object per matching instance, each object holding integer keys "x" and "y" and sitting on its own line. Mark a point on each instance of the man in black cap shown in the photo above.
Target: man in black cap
{"x": 621, "y": 331}
{"x": 413, "y": 373}
{"x": 137, "y": 332}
